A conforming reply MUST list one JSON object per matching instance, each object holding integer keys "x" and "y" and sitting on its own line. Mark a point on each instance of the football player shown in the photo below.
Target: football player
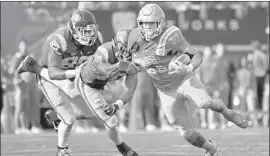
{"x": 164, "y": 53}
{"x": 62, "y": 52}
{"x": 99, "y": 69}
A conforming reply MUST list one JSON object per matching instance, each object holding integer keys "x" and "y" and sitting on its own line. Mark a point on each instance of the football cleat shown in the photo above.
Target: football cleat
{"x": 125, "y": 150}
{"x": 51, "y": 117}
{"x": 214, "y": 151}
{"x": 237, "y": 118}
{"x": 63, "y": 152}
{"x": 29, "y": 65}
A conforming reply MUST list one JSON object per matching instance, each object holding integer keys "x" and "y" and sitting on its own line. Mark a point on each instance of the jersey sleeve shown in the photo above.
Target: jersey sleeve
{"x": 57, "y": 43}
{"x": 53, "y": 49}
{"x": 172, "y": 41}
{"x": 102, "y": 53}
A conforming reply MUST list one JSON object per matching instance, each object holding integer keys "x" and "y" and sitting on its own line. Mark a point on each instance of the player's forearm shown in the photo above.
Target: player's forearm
{"x": 196, "y": 59}
{"x": 54, "y": 73}
{"x": 131, "y": 83}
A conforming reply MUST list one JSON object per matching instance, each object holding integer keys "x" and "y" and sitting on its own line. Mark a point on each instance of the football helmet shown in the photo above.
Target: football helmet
{"x": 151, "y": 20}
{"x": 83, "y": 27}
{"x": 120, "y": 42}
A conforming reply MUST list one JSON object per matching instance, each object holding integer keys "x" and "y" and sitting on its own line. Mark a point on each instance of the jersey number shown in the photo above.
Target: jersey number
{"x": 71, "y": 62}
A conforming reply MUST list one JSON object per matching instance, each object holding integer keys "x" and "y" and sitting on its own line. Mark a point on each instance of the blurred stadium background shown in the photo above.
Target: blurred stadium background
{"x": 236, "y": 31}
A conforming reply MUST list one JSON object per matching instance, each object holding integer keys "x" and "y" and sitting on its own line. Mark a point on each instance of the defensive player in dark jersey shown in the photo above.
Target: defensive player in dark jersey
{"x": 63, "y": 52}
{"x": 99, "y": 69}
{"x": 169, "y": 59}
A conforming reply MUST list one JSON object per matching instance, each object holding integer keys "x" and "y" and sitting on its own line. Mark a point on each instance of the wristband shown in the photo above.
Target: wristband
{"x": 70, "y": 74}
{"x": 45, "y": 73}
{"x": 120, "y": 103}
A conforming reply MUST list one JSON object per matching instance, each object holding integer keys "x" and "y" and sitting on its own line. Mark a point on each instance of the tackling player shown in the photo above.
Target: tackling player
{"x": 102, "y": 67}
{"x": 164, "y": 53}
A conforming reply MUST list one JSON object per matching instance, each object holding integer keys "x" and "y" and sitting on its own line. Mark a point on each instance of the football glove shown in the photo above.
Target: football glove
{"x": 111, "y": 109}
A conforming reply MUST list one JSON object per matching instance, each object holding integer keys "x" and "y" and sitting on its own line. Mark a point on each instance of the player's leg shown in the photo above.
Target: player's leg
{"x": 177, "y": 112}
{"x": 193, "y": 89}
{"x": 96, "y": 103}
{"x": 60, "y": 103}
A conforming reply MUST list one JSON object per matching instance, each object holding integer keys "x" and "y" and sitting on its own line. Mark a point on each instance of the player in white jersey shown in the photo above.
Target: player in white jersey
{"x": 170, "y": 60}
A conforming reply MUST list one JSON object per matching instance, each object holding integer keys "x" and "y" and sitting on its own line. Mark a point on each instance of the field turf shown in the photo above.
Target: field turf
{"x": 231, "y": 142}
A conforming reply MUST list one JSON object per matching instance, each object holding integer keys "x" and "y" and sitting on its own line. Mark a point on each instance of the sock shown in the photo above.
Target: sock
{"x": 122, "y": 148}
{"x": 115, "y": 135}
{"x": 64, "y": 132}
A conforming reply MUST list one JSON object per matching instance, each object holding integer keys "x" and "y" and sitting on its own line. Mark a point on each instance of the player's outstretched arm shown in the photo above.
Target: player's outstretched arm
{"x": 131, "y": 83}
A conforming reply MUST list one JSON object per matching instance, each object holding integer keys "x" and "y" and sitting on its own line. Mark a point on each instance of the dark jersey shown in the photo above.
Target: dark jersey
{"x": 62, "y": 43}
{"x": 102, "y": 67}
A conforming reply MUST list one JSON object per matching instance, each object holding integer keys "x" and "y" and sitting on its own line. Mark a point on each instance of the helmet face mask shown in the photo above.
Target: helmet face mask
{"x": 150, "y": 30}
{"x": 151, "y": 20}
{"x": 83, "y": 27}
{"x": 86, "y": 35}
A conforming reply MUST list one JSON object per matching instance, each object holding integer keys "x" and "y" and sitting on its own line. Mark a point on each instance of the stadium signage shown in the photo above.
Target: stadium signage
{"x": 211, "y": 25}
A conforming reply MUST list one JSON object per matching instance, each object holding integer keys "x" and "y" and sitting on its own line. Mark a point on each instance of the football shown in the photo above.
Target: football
{"x": 183, "y": 58}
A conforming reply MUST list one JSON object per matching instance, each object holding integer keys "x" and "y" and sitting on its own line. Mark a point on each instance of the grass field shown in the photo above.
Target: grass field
{"x": 231, "y": 142}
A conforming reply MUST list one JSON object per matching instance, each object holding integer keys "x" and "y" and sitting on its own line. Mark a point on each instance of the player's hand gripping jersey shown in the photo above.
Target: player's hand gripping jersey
{"x": 154, "y": 56}
{"x": 61, "y": 43}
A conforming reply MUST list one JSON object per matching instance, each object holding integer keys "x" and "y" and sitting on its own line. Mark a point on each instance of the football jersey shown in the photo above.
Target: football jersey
{"x": 62, "y": 43}
{"x": 102, "y": 67}
{"x": 154, "y": 56}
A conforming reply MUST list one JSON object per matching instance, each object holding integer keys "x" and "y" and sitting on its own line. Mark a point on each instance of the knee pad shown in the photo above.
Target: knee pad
{"x": 193, "y": 137}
